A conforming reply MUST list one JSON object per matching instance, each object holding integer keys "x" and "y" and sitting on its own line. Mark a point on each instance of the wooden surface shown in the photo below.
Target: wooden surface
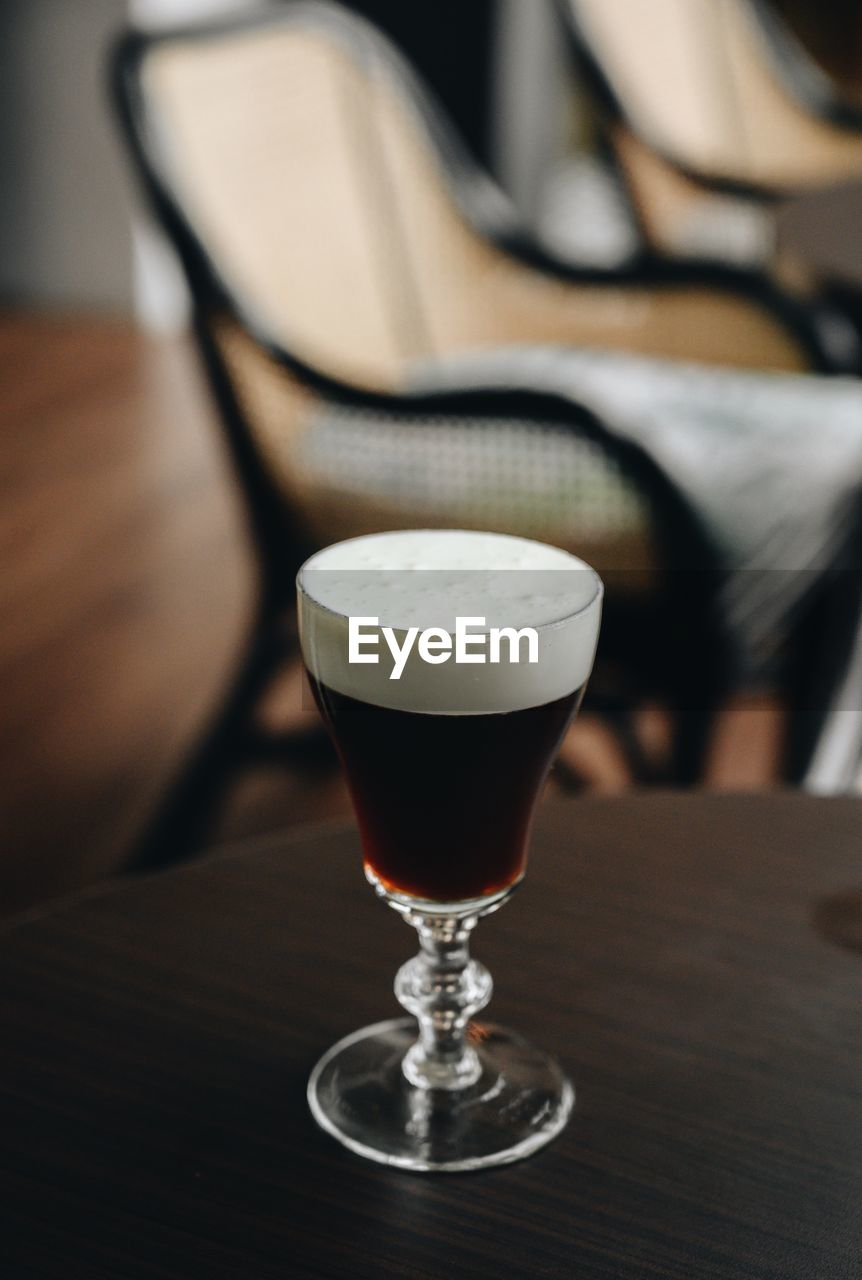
{"x": 123, "y": 590}
{"x": 124, "y": 593}
{"x": 157, "y": 1038}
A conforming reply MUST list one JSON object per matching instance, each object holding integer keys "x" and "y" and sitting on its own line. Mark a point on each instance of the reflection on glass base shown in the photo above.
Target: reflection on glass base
{"x": 359, "y": 1094}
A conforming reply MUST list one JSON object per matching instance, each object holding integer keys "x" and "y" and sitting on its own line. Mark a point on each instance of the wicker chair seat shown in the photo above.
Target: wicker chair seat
{"x": 537, "y": 481}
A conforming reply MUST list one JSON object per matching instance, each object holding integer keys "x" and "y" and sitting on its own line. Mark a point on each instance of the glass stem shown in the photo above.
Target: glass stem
{"x": 443, "y": 988}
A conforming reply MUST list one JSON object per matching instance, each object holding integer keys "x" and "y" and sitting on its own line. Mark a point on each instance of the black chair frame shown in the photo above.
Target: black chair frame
{"x": 687, "y": 621}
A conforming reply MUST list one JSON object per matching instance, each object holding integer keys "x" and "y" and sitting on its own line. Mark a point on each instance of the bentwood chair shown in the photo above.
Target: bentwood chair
{"x": 715, "y": 96}
{"x": 336, "y": 238}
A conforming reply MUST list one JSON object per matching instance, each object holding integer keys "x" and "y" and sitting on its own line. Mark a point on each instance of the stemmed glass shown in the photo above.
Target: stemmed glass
{"x": 446, "y": 730}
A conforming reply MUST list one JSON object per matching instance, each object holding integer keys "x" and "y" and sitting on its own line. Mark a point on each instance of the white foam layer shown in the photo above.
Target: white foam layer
{"x": 428, "y": 578}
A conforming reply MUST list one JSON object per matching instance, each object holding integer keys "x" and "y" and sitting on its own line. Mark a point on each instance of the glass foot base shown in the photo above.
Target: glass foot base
{"x": 358, "y": 1093}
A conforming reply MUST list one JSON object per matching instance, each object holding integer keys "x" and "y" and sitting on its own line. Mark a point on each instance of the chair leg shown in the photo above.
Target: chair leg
{"x": 693, "y": 726}
{"x": 825, "y": 642}
{"x": 185, "y": 815}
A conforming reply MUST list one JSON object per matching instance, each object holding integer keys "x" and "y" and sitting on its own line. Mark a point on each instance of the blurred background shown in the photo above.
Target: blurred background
{"x": 680, "y": 187}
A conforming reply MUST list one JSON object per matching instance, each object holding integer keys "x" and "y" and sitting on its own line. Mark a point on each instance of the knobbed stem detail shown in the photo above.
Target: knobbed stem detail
{"x": 443, "y": 988}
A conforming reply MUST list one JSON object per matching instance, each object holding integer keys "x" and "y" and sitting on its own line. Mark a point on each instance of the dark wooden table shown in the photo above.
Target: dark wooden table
{"x": 157, "y": 1037}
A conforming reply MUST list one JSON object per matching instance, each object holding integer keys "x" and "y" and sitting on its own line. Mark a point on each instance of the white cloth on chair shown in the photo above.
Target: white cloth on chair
{"x": 772, "y": 463}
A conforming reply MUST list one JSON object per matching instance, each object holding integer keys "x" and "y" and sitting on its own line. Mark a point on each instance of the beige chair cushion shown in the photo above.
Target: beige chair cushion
{"x": 263, "y": 135}
{"x": 315, "y": 188}
{"x": 697, "y": 80}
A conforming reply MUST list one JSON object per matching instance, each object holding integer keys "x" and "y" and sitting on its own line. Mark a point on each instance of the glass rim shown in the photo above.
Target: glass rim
{"x": 563, "y": 619}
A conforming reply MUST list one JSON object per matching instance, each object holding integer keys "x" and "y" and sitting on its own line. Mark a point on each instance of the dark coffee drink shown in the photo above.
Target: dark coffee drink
{"x": 444, "y": 802}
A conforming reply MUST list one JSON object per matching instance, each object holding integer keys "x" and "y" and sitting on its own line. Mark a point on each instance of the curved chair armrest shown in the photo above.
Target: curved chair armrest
{"x": 686, "y": 543}
{"x": 821, "y": 329}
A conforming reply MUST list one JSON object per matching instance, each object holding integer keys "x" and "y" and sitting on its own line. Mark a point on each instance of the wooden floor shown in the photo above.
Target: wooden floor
{"x": 125, "y": 589}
